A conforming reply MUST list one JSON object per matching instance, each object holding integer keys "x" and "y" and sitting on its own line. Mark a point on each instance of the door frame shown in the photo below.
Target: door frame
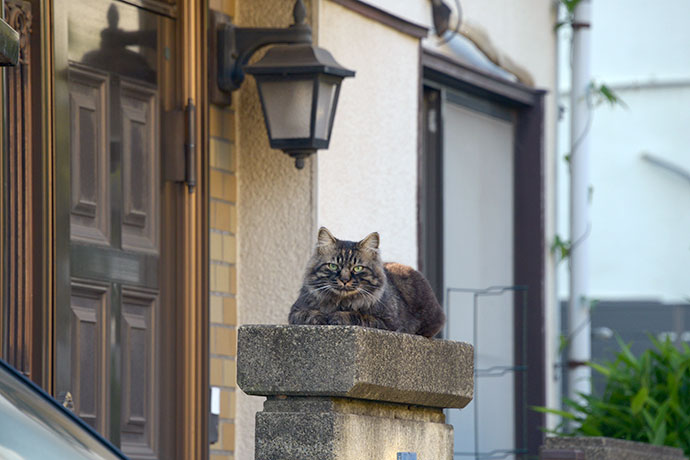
{"x": 529, "y": 245}
{"x": 191, "y": 335}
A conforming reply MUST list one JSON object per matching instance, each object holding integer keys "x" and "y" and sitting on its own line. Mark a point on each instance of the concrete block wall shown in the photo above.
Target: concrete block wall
{"x": 223, "y": 260}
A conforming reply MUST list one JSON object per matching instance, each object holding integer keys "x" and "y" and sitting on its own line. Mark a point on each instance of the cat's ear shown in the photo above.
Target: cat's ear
{"x": 371, "y": 242}
{"x": 325, "y": 238}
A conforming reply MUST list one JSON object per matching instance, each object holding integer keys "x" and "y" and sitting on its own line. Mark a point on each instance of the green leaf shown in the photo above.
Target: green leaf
{"x": 660, "y": 435}
{"x": 646, "y": 398}
{"x": 590, "y": 429}
{"x": 561, "y": 247}
{"x": 570, "y": 5}
{"x": 560, "y": 24}
{"x": 605, "y": 371}
{"x": 626, "y": 355}
{"x": 563, "y": 342}
{"x": 602, "y": 94}
{"x": 639, "y": 400}
{"x": 561, "y": 413}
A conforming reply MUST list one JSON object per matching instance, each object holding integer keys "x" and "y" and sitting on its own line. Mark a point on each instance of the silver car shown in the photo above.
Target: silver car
{"x": 35, "y": 426}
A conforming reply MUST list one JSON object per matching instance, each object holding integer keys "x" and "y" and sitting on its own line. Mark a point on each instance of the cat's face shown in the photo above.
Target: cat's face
{"x": 343, "y": 269}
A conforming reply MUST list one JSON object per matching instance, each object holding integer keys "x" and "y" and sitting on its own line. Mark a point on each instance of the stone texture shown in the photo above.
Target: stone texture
{"x": 298, "y": 428}
{"x": 354, "y": 362}
{"x": 598, "y": 448}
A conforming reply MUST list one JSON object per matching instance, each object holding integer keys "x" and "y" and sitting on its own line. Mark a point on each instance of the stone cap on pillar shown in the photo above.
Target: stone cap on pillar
{"x": 354, "y": 362}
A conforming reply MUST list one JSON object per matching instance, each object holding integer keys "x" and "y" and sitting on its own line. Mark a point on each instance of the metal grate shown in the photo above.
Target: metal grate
{"x": 495, "y": 371}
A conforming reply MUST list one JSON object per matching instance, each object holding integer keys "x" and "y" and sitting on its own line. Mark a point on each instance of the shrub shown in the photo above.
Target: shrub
{"x": 646, "y": 399}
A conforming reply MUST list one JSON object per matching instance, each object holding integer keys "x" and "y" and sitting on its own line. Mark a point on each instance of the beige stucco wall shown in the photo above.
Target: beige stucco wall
{"x": 367, "y": 179}
{"x": 276, "y": 215}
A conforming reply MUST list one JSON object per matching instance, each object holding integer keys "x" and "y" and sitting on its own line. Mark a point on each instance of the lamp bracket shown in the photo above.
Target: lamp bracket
{"x": 236, "y": 45}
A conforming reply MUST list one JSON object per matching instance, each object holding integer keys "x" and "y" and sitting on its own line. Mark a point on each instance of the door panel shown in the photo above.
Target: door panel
{"x": 90, "y": 211}
{"x": 90, "y": 309}
{"x": 113, "y": 353}
{"x": 138, "y": 429}
{"x": 140, "y": 162}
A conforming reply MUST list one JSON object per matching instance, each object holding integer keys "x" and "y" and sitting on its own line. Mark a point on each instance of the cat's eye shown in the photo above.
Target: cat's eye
{"x": 332, "y": 267}
{"x": 357, "y": 268}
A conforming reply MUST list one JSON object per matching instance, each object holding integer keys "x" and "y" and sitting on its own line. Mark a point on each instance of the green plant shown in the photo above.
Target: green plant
{"x": 646, "y": 398}
{"x": 561, "y": 247}
{"x": 570, "y": 13}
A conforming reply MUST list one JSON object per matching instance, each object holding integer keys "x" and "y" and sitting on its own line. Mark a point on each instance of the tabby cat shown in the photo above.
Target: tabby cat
{"x": 347, "y": 284}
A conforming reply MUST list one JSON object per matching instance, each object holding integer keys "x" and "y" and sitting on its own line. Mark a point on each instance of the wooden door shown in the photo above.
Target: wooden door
{"x": 115, "y": 302}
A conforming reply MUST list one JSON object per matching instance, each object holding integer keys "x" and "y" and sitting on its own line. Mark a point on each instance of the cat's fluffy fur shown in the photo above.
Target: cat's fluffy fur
{"x": 347, "y": 284}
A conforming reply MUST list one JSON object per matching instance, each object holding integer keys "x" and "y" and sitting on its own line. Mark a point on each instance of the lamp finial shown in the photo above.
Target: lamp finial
{"x": 299, "y": 13}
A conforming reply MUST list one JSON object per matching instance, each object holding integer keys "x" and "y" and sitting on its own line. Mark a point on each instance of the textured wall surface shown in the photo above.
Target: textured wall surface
{"x": 276, "y": 215}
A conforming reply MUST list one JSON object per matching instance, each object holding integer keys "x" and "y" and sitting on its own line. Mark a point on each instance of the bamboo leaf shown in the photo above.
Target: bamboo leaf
{"x": 660, "y": 435}
{"x": 605, "y": 371}
{"x": 561, "y": 413}
{"x": 639, "y": 400}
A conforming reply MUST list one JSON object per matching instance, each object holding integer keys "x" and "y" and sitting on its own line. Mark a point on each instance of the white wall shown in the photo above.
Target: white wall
{"x": 640, "y": 238}
{"x": 367, "y": 179}
{"x": 415, "y": 11}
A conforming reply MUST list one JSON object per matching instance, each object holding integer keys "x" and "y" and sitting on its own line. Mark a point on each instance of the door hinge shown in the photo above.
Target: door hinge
{"x": 179, "y": 145}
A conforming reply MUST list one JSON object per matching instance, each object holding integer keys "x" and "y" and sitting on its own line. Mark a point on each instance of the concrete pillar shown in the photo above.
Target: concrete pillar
{"x": 352, "y": 393}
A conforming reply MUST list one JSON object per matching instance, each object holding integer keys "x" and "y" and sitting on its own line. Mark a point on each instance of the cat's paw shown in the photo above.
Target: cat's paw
{"x": 316, "y": 319}
{"x": 341, "y": 318}
{"x": 309, "y": 317}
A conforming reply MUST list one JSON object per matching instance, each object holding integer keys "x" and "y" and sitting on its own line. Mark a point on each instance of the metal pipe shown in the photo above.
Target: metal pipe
{"x": 638, "y": 85}
{"x": 579, "y": 350}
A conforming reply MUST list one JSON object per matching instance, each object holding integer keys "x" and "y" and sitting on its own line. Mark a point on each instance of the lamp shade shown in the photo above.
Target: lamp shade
{"x": 298, "y": 87}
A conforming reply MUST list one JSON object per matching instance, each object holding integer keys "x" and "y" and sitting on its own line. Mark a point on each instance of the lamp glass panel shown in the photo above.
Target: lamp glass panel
{"x": 287, "y": 105}
{"x": 324, "y": 107}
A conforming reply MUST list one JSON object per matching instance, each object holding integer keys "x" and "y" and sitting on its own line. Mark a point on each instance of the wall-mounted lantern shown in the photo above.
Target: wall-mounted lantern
{"x": 298, "y": 83}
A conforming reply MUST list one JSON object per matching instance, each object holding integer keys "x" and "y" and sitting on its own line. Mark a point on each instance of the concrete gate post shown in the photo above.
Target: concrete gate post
{"x": 352, "y": 393}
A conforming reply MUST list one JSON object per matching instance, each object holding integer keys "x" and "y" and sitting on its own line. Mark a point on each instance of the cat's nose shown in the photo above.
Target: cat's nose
{"x": 344, "y": 282}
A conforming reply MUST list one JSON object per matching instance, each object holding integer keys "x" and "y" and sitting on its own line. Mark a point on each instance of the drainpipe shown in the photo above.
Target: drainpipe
{"x": 579, "y": 350}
